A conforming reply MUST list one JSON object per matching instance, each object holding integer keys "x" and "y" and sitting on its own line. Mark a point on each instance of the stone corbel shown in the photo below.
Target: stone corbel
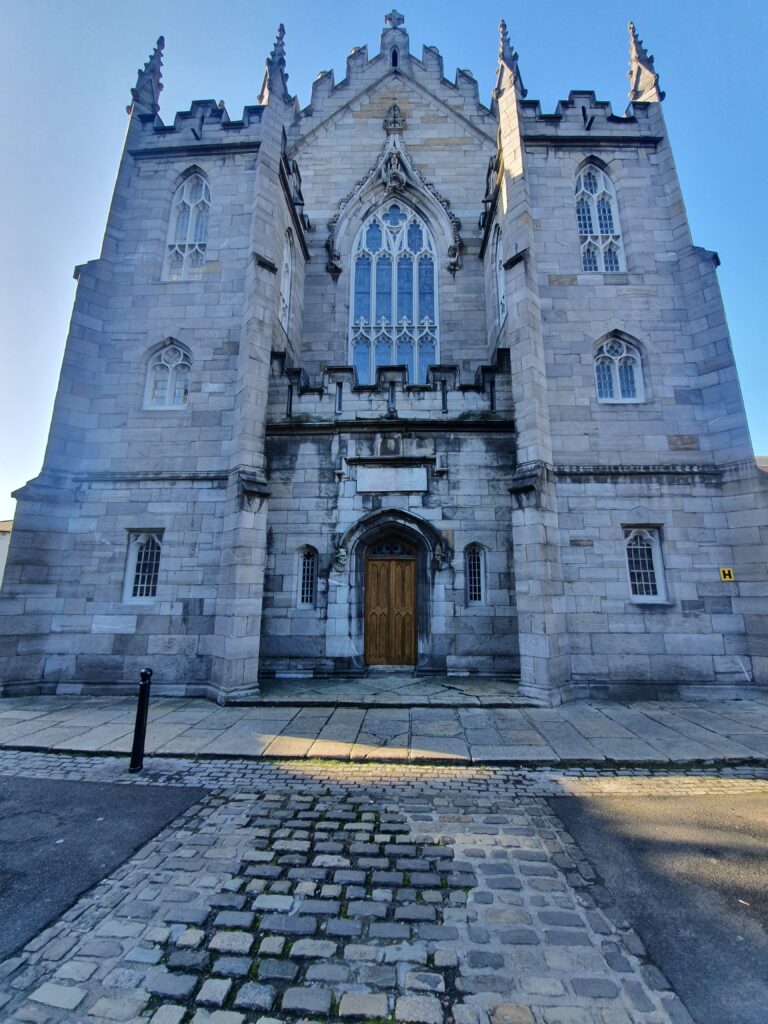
{"x": 254, "y": 490}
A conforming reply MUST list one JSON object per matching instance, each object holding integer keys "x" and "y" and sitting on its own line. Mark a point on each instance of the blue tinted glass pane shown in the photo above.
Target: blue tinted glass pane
{"x": 362, "y": 362}
{"x": 604, "y": 380}
{"x": 426, "y": 289}
{"x": 362, "y": 289}
{"x": 627, "y": 380}
{"x": 426, "y": 358}
{"x": 611, "y": 260}
{"x": 415, "y": 237}
{"x": 405, "y": 288}
{"x": 394, "y": 216}
{"x": 383, "y": 352}
{"x": 405, "y": 356}
{"x": 373, "y": 237}
{"x": 384, "y": 288}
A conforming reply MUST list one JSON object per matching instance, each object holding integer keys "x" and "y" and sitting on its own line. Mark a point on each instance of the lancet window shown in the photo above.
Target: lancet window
{"x": 597, "y": 217}
{"x": 188, "y": 230}
{"x": 393, "y": 306}
{"x": 475, "y": 574}
{"x": 498, "y": 268}
{"x": 285, "y": 282}
{"x": 307, "y": 578}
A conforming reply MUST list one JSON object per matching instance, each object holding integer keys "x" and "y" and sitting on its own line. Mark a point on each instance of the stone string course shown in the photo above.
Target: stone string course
{"x": 312, "y": 892}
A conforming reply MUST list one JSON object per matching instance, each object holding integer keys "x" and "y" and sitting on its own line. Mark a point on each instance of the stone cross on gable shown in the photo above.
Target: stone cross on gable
{"x": 394, "y": 19}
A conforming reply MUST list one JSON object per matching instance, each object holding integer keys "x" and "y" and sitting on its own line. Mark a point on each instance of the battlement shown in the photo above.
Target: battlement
{"x": 339, "y": 396}
{"x": 206, "y": 122}
{"x": 585, "y": 117}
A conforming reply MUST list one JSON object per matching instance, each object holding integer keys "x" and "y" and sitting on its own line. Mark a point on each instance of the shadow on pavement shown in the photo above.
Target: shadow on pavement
{"x": 58, "y": 839}
{"x": 690, "y": 874}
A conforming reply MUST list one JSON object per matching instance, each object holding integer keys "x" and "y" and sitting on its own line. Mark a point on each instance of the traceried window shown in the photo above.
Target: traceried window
{"x": 393, "y": 306}
{"x": 619, "y": 372}
{"x": 307, "y": 588}
{"x": 597, "y": 217}
{"x": 285, "y": 282}
{"x": 474, "y": 570}
{"x": 168, "y": 379}
{"x": 143, "y": 566}
{"x": 188, "y": 230}
{"x": 498, "y": 268}
{"x": 644, "y": 565}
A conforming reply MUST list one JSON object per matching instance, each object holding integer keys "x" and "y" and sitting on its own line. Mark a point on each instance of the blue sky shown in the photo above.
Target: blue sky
{"x": 66, "y": 68}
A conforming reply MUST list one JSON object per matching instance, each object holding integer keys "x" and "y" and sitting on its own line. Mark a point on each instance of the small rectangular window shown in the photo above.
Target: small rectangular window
{"x": 143, "y": 565}
{"x": 644, "y": 565}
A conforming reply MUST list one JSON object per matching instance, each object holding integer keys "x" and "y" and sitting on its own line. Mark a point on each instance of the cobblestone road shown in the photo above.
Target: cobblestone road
{"x": 314, "y": 891}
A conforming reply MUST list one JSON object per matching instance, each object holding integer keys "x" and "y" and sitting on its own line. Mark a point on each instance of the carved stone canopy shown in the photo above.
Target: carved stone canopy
{"x": 396, "y": 172}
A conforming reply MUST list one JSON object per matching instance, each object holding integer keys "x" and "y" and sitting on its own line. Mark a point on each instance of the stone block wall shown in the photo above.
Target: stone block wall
{"x": 64, "y": 622}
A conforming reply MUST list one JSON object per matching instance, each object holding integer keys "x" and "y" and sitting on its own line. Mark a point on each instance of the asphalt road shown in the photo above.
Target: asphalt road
{"x": 58, "y": 839}
{"x": 691, "y": 876}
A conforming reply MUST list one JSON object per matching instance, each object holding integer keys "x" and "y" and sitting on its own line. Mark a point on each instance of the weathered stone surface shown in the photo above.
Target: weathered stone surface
{"x": 62, "y": 997}
{"x": 419, "y": 1010}
{"x": 307, "y": 1000}
{"x": 363, "y": 1006}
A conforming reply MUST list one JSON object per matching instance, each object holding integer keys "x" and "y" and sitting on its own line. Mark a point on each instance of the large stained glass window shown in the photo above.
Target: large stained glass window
{"x": 394, "y": 295}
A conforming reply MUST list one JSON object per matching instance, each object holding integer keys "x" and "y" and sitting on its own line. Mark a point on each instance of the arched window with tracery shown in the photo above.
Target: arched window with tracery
{"x": 597, "y": 216}
{"x": 619, "y": 372}
{"x": 188, "y": 230}
{"x": 168, "y": 378}
{"x": 498, "y": 269}
{"x": 285, "y": 282}
{"x": 393, "y": 306}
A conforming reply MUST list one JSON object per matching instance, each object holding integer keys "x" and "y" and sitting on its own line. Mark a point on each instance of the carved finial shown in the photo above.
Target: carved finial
{"x": 149, "y": 85}
{"x": 394, "y": 19}
{"x": 643, "y": 80}
{"x": 276, "y": 78}
{"x": 508, "y": 56}
{"x": 505, "y": 47}
{"x": 277, "y": 57}
{"x": 394, "y": 122}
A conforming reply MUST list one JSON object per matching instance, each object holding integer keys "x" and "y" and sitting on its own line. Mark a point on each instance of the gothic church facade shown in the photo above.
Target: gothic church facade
{"x": 400, "y": 379}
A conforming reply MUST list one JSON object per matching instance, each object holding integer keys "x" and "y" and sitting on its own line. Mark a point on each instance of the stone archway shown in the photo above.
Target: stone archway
{"x": 418, "y": 549}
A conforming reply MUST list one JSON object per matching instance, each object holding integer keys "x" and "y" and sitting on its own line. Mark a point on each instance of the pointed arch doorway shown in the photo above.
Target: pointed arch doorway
{"x": 390, "y": 603}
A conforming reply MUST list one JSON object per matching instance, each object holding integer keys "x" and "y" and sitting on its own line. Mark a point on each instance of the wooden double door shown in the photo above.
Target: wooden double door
{"x": 390, "y": 605}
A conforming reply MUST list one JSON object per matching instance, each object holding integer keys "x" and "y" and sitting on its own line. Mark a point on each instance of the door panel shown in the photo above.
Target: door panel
{"x": 390, "y": 611}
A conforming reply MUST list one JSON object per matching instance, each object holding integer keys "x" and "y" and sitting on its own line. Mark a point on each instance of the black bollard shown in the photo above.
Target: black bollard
{"x": 140, "y": 729}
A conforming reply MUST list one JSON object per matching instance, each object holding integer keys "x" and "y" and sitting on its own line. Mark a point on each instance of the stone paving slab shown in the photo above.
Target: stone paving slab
{"x": 301, "y": 890}
{"x": 594, "y": 733}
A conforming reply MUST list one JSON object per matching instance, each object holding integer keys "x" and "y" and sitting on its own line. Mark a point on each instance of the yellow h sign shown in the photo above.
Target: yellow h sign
{"x": 727, "y": 575}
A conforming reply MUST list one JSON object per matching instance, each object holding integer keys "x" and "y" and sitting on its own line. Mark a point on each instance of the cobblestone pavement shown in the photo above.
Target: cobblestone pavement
{"x": 314, "y": 891}
{"x": 577, "y": 733}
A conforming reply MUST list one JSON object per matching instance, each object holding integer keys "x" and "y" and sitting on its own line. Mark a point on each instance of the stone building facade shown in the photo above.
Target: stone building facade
{"x": 395, "y": 378}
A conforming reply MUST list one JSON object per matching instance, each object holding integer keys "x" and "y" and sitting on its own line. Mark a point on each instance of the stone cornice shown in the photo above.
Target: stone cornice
{"x": 407, "y": 426}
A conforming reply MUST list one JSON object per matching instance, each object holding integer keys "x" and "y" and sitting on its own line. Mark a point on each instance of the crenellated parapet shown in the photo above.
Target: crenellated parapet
{"x": 337, "y": 396}
{"x": 394, "y": 59}
{"x": 204, "y": 125}
{"x": 583, "y": 119}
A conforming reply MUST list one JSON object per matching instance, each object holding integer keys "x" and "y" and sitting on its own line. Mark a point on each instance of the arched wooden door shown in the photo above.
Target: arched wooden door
{"x": 390, "y": 604}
